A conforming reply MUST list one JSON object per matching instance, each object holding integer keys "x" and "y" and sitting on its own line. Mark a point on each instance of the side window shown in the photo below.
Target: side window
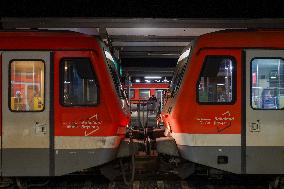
{"x": 267, "y": 83}
{"x": 78, "y": 82}
{"x": 112, "y": 66}
{"x": 132, "y": 94}
{"x": 144, "y": 93}
{"x": 216, "y": 83}
{"x": 26, "y": 85}
{"x": 180, "y": 71}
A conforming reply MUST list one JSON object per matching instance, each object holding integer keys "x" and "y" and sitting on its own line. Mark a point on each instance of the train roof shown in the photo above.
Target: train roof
{"x": 247, "y": 38}
{"x": 45, "y": 40}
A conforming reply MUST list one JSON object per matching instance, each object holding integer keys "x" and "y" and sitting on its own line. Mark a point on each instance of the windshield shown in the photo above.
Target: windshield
{"x": 180, "y": 69}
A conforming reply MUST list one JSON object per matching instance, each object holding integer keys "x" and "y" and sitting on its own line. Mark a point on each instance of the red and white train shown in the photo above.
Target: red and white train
{"x": 63, "y": 108}
{"x": 143, "y": 91}
{"x": 226, "y": 104}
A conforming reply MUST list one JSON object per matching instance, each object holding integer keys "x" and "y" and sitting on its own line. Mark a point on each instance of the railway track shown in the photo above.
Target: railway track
{"x": 153, "y": 183}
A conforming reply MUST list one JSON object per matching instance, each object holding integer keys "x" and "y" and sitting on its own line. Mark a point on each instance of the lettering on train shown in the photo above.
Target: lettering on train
{"x": 90, "y": 125}
{"x": 221, "y": 122}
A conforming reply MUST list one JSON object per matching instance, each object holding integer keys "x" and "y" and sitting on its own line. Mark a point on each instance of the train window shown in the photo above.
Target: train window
{"x": 78, "y": 81}
{"x": 267, "y": 83}
{"x": 132, "y": 93}
{"x": 144, "y": 94}
{"x": 180, "y": 70}
{"x": 216, "y": 82}
{"x": 112, "y": 67}
{"x": 26, "y": 86}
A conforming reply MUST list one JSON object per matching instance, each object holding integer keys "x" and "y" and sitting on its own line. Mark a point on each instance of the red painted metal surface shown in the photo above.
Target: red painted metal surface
{"x": 183, "y": 114}
{"x": 151, "y": 86}
{"x": 107, "y": 117}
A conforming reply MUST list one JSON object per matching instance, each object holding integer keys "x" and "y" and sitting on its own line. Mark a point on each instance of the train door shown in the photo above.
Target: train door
{"x": 217, "y": 120}
{"x": 264, "y": 111}
{"x": 80, "y": 111}
{"x": 25, "y": 113}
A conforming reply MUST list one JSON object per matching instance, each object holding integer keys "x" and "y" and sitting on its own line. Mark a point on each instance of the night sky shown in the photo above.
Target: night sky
{"x": 143, "y": 8}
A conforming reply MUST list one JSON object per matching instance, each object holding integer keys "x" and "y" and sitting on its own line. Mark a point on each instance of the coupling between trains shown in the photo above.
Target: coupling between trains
{"x": 65, "y": 110}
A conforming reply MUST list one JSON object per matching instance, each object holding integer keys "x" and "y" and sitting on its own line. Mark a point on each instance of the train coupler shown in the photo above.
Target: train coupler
{"x": 128, "y": 147}
{"x": 167, "y": 145}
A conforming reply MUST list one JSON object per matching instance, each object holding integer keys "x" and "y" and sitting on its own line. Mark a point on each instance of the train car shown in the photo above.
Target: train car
{"x": 225, "y": 108}
{"x": 141, "y": 92}
{"x": 63, "y": 108}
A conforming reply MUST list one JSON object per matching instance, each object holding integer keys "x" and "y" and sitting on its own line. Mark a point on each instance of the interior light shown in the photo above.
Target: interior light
{"x": 220, "y": 84}
{"x": 147, "y": 81}
{"x": 152, "y": 77}
{"x": 165, "y": 80}
{"x": 137, "y": 80}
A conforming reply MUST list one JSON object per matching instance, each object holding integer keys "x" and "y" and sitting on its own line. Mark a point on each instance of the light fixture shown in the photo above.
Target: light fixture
{"x": 137, "y": 80}
{"x": 152, "y": 77}
{"x": 165, "y": 80}
{"x": 147, "y": 81}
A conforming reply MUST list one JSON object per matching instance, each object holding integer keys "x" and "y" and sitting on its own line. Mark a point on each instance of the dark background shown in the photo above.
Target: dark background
{"x": 143, "y": 8}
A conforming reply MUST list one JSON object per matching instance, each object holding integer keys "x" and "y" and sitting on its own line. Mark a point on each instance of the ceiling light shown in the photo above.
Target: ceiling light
{"x": 152, "y": 77}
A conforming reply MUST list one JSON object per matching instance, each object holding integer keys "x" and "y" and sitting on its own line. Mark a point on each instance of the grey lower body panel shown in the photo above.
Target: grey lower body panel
{"x": 36, "y": 162}
{"x": 265, "y": 160}
{"x": 259, "y": 159}
{"x": 25, "y": 162}
{"x": 208, "y": 156}
{"x": 68, "y": 161}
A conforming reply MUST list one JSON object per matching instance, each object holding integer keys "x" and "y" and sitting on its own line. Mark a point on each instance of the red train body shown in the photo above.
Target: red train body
{"x": 218, "y": 112}
{"x": 141, "y": 92}
{"x": 62, "y": 105}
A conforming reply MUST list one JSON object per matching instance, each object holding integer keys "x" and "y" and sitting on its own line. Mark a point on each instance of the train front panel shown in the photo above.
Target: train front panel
{"x": 60, "y": 110}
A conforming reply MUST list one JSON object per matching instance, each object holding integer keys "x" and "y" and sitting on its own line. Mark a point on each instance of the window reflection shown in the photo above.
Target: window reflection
{"x": 79, "y": 83}
{"x": 27, "y": 85}
{"x": 132, "y": 93}
{"x": 216, "y": 80}
{"x": 267, "y": 83}
{"x": 144, "y": 93}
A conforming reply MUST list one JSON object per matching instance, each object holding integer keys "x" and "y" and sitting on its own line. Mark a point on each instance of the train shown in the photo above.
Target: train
{"x": 225, "y": 105}
{"x": 63, "y": 107}
{"x": 141, "y": 92}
